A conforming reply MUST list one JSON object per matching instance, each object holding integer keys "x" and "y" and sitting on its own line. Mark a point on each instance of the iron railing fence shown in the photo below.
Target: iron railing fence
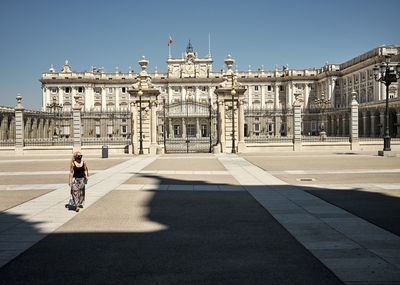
{"x": 106, "y": 141}
{"x": 261, "y": 139}
{"x": 49, "y": 142}
{"x": 5, "y": 143}
{"x": 106, "y": 124}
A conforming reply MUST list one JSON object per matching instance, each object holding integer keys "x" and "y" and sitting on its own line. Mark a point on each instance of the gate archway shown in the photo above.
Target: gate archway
{"x": 187, "y": 127}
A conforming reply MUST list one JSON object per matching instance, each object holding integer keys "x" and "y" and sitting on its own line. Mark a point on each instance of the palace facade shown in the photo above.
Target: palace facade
{"x": 192, "y": 78}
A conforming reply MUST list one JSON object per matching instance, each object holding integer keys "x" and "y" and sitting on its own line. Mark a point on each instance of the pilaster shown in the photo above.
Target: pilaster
{"x": 355, "y": 145}
{"x": 77, "y": 125}
{"x": 19, "y": 127}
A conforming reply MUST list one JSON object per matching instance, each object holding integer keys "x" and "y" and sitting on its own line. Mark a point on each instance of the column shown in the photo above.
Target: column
{"x": 355, "y": 145}
{"x": 329, "y": 87}
{"x": 197, "y": 95}
{"x": 117, "y": 98}
{"x": 73, "y": 94}
{"x": 89, "y": 98}
{"x": 169, "y": 94}
{"x": 60, "y": 95}
{"x": 103, "y": 99}
{"x": 372, "y": 131}
{"x": 306, "y": 95}
{"x": 241, "y": 143}
{"x": 210, "y": 93}
{"x": 77, "y": 125}
{"x": 44, "y": 91}
{"x": 3, "y": 128}
{"x": 296, "y": 126}
{"x": 221, "y": 116}
{"x": 250, "y": 92}
{"x": 262, "y": 96}
{"x": 153, "y": 126}
{"x": 134, "y": 129}
{"x": 276, "y": 99}
{"x": 183, "y": 128}
{"x": 19, "y": 127}
{"x": 364, "y": 118}
{"x": 198, "y": 133}
{"x": 183, "y": 92}
{"x": 171, "y": 131}
{"x": 289, "y": 92}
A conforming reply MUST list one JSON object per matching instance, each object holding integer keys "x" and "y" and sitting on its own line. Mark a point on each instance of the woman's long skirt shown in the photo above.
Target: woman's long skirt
{"x": 77, "y": 192}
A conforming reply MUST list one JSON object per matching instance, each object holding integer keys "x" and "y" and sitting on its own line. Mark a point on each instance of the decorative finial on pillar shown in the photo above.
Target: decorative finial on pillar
{"x": 51, "y": 68}
{"x": 354, "y": 95}
{"x": 116, "y": 69}
{"x": 143, "y": 63}
{"x": 130, "y": 69}
{"x": 262, "y": 67}
{"x": 19, "y": 99}
{"x": 229, "y": 62}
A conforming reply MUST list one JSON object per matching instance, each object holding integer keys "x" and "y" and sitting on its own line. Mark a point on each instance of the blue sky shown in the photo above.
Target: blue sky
{"x": 35, "y": 34}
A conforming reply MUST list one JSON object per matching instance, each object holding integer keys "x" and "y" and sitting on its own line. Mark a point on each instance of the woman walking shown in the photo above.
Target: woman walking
{"x": 78, "y": 177}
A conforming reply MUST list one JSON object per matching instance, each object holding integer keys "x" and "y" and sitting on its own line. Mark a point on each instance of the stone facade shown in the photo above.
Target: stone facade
{"x": 191, "y": 78}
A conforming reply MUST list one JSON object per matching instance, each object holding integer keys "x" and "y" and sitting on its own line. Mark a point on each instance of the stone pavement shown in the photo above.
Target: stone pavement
{"x": 209, "y": 232}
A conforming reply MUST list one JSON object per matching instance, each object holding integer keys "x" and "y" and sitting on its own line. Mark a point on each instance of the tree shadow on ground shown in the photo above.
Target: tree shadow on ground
{"x": 208, "y": 237}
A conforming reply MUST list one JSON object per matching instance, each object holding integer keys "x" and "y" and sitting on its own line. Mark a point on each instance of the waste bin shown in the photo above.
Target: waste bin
{"x": 104, "y": 151}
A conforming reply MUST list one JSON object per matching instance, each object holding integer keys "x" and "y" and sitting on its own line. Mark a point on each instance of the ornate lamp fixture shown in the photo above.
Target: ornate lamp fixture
{"x": 388, "y": 76}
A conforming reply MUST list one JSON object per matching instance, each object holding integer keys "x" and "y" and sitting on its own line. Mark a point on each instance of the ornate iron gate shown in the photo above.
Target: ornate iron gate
{"x": 188, "y": 127}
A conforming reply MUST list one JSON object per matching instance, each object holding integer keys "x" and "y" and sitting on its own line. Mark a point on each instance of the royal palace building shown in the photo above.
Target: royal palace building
{"x": 193, "y": 104}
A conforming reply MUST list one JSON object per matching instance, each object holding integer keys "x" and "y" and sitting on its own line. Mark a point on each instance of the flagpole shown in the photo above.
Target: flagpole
{"x": 169, "y": 51}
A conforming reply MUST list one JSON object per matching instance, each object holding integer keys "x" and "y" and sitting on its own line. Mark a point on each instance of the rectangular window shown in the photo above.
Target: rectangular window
{"x": 281, "y": 88}
{"x": 191, "y": 130}
{"x": 80, "y": 89}
{"x": 256, "y": 128}
{"x": 256, "y": 88}
{"x": 110, "y": 130}
{"x": 204, "y": 89}
{"x": 269, "y": 88}
{"x": 176, "y": 89}
{"x": 97, "y": 130}
{"x": 67, "y": 89}
{"x": 123, "y": 129}
{"x": 97, "y": 90}
{"x": 204, "y": 130}
{"x": 53, "y": 90}
{"x": 110, "y": 90}
{"x": 66, "y": 131}
{"x": 177, "y": 131}
{"x": 123, "y": 90}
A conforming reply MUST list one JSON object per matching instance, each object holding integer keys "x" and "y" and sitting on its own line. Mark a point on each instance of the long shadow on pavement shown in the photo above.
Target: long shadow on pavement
{"x": 207, "y": 237}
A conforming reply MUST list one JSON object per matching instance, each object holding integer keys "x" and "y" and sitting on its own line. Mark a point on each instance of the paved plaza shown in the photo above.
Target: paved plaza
{"x": 266, "y": 218}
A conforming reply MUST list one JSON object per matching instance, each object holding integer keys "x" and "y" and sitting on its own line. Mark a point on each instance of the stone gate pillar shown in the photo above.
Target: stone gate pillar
{"x": 143, "y": 91}
{"x": 76, "y": 116}
{"x": 241, "y": 142}
{"x": 296, "y": 125}
{"x": 354, "y": 141}
{"x": 19, "y": 127}
{"x": 134, "y": 127}
{"x": 153, "y": 143}
{"x": 230, "y": 89}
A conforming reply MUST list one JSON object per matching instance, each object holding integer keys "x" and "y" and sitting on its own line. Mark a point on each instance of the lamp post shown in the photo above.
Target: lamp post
{"x": 321, "y": 103}
{"x": 388, "y": 76}
{"x": 140, "y": 93}
{"x": 233, "y": 93}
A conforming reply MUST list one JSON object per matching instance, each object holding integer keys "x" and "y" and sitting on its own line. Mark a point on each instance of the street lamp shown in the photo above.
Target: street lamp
{"x": 388, "y": 76}
{"x": 140, "y": 93}
{"x": 321, "y": 103}
{"x": 233, "y": 93}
